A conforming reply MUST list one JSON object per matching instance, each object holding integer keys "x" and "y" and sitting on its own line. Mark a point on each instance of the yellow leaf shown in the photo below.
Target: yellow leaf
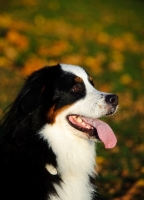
{"x": 126, "y": 79}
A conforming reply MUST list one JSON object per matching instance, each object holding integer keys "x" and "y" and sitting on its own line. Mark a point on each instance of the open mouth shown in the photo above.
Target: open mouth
{"x": 94, "y": 129}
{"x": 78, "y": 123}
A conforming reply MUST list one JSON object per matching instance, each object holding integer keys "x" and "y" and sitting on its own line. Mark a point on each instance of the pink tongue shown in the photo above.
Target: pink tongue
{"x": 104, "y": 131}
{"x": 106, "y": 134}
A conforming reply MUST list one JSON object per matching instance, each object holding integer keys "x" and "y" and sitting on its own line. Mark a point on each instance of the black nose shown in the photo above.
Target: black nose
{"x": 112, "y": 99}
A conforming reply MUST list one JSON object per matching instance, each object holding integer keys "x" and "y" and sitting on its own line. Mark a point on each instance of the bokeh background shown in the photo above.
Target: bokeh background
{"x": 106, "y": 37}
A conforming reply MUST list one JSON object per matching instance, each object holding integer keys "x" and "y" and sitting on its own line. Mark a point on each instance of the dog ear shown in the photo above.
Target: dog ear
{"x": 31, "y": 95}
{"x": 31, "y": 100}
{"x": 38, "y": 88}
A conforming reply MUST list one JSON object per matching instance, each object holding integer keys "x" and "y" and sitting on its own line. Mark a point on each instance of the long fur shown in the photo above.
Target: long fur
{"x": 42, "y": 157}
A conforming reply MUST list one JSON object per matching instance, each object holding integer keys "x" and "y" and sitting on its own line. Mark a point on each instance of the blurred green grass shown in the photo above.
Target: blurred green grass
{"x": 106, "y": 38}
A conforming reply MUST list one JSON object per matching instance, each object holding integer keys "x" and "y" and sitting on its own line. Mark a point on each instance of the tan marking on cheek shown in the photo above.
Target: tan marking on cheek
{"x": 53, "y": 113}
{"x": 78, "y": 80}
{"x": 50, "y": 115}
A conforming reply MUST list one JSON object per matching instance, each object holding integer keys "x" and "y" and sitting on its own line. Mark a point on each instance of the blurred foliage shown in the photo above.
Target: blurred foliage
{"x": 106, "y": 38}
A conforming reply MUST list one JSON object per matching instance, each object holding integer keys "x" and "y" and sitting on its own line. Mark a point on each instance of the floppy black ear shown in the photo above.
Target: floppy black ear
{"x": 38, "y": 88}
{"x": 31, "y": 96}
{"x": 31, "y": 100}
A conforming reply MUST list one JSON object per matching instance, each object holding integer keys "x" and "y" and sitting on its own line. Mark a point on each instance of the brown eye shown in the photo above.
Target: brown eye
{"x": 76, "y": 88}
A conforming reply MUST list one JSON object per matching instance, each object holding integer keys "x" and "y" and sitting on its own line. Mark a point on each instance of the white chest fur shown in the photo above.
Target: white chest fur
{"x": 73, "y": 189}
{"x": 76, "y": 162}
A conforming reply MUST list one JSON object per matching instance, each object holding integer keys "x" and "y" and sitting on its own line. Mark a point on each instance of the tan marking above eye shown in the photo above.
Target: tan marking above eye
{"x": 90, "y": 78}
{"x": 78, "y": 79}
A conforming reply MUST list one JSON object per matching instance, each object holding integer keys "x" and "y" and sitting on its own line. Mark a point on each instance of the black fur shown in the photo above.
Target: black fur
{"x": 23, "y": 153}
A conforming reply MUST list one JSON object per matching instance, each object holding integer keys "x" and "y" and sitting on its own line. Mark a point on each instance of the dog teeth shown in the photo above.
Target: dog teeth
{"x": 83, "y": 123}
{"x": 79, "y": 119}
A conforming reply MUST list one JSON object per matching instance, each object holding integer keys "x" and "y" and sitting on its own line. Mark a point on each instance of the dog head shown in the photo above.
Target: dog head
{"x": 64, "y": 95}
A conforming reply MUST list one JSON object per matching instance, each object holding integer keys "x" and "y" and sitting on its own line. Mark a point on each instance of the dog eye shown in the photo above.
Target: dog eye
{"x": 77, "y": 88}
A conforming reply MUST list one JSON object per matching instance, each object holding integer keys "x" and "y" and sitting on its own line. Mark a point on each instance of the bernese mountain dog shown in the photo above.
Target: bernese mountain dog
{"x": 47, "y": 140}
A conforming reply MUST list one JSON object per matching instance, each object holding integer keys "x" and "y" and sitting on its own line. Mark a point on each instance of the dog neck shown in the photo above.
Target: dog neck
{"x": 75, "y": 163}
